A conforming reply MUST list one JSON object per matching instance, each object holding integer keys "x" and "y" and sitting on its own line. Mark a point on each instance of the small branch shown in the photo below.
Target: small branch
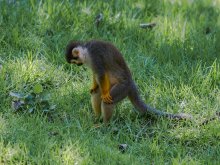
{"x": 98, "y": 19}
{"x": 147, "y": 25}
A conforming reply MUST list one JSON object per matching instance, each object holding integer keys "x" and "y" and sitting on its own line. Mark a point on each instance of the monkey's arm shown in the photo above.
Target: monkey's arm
{"x": 104, "y": 83}
{"x": 94, "y": 85}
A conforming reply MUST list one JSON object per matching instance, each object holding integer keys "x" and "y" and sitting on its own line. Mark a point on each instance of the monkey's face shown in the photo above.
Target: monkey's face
{"x": 77, "y": 56}
{"x": 73, "y": 54}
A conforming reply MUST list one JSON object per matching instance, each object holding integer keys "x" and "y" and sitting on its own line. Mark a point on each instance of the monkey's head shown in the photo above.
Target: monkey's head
{"x": 75, "y": 53}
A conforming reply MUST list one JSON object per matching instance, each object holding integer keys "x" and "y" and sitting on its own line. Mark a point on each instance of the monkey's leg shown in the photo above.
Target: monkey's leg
{"x": 107, "y": 111}
{"x": 94, "y": 85}
{"x": 96, "y": 102}
{"x": 118, "y": 92}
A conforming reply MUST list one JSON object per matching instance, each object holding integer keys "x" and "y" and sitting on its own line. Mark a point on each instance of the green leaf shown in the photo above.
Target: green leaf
{"x": 52, "y": 107}
{"x": 17, "y": 105}
{"x": 45, "y": 97}
{"x": 31, "y": 110}
{"x": 17, "y": 95}
{"x": 29, "y": 98}
{"x": 38, "y": 88}
{"x": 46, "y": 110}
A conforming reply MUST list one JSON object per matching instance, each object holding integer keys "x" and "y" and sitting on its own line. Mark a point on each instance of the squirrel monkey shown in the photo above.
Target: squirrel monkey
{"x": 112, "y": 79}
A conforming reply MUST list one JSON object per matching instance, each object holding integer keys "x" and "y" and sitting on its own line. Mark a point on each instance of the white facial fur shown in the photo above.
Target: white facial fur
{"x": 82, "y": 55}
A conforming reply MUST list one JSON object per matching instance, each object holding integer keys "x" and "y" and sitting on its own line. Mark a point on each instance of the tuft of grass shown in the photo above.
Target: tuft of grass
{"x": 175, "y": 64}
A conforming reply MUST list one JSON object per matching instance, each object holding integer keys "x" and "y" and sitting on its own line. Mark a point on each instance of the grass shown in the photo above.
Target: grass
{"x": 176, "y": 66}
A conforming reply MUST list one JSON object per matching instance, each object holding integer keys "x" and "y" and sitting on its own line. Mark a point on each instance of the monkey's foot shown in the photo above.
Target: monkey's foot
{"x": 107, "y": 99}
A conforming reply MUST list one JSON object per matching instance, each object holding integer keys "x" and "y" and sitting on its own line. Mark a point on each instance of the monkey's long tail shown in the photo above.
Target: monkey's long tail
{"x": 146, "y": 109}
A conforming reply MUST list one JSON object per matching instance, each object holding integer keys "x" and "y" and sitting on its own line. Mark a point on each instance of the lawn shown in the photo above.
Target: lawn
{"x": 45, "y": 109}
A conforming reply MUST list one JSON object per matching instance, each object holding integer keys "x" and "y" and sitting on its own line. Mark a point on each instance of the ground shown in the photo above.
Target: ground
{"x": 175, "y": 65}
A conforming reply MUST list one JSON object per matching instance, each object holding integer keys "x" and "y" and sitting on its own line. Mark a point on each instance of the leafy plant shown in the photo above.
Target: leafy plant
{"x": 36, "y": 100}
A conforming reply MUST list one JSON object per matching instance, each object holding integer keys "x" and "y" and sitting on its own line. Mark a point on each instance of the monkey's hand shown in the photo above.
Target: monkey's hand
{"x": 107, "y": 98}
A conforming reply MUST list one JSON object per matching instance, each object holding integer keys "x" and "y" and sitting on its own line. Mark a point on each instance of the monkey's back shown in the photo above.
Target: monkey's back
{"x": 106, "y": 53}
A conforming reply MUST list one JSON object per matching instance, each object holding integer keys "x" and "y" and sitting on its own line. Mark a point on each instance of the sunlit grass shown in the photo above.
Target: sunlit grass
{"x": 175, "y": 65}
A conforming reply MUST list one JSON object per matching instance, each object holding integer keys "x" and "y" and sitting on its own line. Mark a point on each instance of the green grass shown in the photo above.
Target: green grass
{"x": 176, "y": 66}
